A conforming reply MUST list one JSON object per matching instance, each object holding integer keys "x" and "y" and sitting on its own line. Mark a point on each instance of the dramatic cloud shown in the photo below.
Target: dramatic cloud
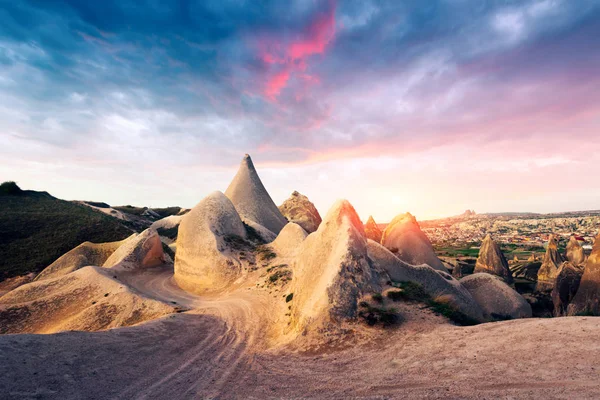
{"x": 372, "y": 100}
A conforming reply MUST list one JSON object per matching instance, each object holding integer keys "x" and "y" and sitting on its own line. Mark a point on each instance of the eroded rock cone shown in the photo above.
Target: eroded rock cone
{"x": 565, "y": 287}
{"x": 289, "y": 240}
{"x": 549, "y": 269}
{"x": 574, "y": 252}
{"x": 495, "y": 297}
{"x": 251, "y": 200}
{"x": 587, "y": 299}
{"x": 404, "y": 238}
{"x": 492, "y": 261}
{"x": 532, "y": 257}
{"x": 372, "y": 230}
{"x": 331, "y": 272}
{"x": 141, "y": 251}
{"x": 437, "y": 284}
{"x": 298, "y": 209}
{"x": 204, "y": 260}
{"x": 83, "y": 255}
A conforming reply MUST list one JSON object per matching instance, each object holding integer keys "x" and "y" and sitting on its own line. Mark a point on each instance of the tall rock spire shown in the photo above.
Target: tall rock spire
{"x": 251, "y": 199}
{"x": 492, "y": 261}
{"x": 550, "y": 266}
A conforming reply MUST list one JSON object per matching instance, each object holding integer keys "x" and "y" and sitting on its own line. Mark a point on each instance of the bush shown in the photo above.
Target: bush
{"x": 10, "y": 188}
{"x": 171, "y": 233}
{"x": 375, "y": 315}
{"x": 289, "y": 297}
{"x": 377, "y": 297}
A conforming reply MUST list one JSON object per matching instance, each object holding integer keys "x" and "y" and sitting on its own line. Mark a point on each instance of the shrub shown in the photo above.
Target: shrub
{"x": 375, "y": 315}
{"x": 289, "y": 297}
{"x": 377, "y": 297}
{"x": 10, "y": 188}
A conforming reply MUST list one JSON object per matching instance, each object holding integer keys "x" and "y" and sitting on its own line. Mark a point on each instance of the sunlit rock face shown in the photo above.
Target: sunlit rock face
{"x": 251, "y": 199}
{"x": 141, "y": 251}
{"x": 404, "y": 238}
{"x": 289, "y": 240}
{"x": 495, "y": 297}
{"x": 204, "y": 260}
{"x": 587, "y": 299}
{"x": 492, "y": 261}
{"x": 372, "y": 230}
{"x": 565, "y": 287}
{"x": 331, "y": 272}
{"x": 300, "y": 210}
{"x": 549, "y": 269}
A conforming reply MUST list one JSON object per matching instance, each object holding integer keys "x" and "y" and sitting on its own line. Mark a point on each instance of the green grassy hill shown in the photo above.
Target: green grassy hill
{"x": 36, "y": 229}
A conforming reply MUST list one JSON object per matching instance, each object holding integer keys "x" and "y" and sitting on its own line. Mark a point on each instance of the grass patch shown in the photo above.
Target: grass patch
{"x": 377, "y": 297}
{"x": 411, "y": 291}
{"x": 131, "y": 210}
{"x": 252, "y": 234}
{"x": 378, "y": 315}
{"x": 167, "y": 211}
{"x": 36, "y": 229}
{"x": 168, "y": 251}
{"x": 276, "y": 266}
{"x": 98, "y": 204}
{"x": 283, "y": 275}
{"x": 265, "y": 253}
{"x": 171, "y": 233}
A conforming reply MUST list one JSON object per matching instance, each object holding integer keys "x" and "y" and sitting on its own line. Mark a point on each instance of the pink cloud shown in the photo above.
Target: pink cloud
{"x": 287, "y": 59}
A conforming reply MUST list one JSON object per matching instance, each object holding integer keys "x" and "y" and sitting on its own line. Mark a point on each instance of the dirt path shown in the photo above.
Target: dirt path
{"x": 217, "y": 351}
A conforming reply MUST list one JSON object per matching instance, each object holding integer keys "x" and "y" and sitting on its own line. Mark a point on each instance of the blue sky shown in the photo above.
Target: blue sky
{"x": 423, "y": 106}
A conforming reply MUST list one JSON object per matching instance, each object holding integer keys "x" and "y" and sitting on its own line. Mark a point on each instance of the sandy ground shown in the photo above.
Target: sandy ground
{"x": 221, "y": 350}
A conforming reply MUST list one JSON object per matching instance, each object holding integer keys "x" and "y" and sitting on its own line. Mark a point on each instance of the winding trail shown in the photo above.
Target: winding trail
{"x": 219, "y": 349}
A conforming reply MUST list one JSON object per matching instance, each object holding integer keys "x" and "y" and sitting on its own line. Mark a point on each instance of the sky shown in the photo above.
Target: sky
{"x": 431, "y": 107}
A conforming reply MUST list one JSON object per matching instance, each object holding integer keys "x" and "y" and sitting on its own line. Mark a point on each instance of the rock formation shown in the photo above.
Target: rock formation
{"x": 83, "y": 255}
{"x": 574, "y": 252}
{"x": 88, "y": 299}
{"x": 141, "y": 251}
{"x": 587, "y": 299}
{"x": 437, "y": 284}
{"x": 289, "y": 240}
{"x": 331, "y": 272}
{"x": 565, "y": 287}
{"x": 251, "y": 199}
{"x": 203, "y": 260}
{"x": 532, "y": 257}
{"x": 492, "y": 261}
{"x": 404, "y": 238}
{"x": 372, "y": 230}
{"x": 552, "y": 262}
{"x": 462, "y": 269}
{"x": 300, "y": 210}
{"x": 495, "y": 297}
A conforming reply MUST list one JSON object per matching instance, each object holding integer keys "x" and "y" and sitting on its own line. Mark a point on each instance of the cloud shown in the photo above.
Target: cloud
{"x": 195, "y": 84}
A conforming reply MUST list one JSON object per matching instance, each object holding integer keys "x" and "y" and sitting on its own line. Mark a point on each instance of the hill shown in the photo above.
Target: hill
{"x": 37, "y": 228}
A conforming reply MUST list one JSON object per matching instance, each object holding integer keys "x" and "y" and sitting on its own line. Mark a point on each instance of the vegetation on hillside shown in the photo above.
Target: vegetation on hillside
{"x": 36, "y": 229}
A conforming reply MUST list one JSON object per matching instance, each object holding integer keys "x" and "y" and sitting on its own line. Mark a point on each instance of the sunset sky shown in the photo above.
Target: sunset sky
{"x": 430, "y": 107}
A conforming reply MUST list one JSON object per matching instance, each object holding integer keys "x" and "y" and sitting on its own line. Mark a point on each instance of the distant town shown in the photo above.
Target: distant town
{"x": 519, "y": 232}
